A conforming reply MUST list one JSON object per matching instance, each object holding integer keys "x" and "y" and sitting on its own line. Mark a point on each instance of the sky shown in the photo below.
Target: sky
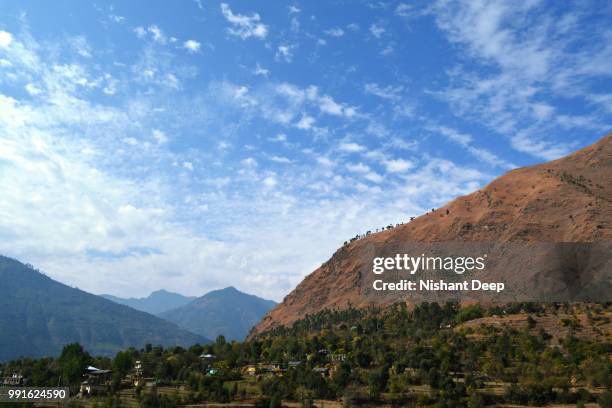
{"x": 194, "y": 145}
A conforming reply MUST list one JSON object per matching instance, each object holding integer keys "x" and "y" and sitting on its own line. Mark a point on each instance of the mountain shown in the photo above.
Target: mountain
{"x": 560, "y": 210}
{"x": 156, "y": 303}
{"x": 38, "y": 316}
{"x": 226, "y": 311}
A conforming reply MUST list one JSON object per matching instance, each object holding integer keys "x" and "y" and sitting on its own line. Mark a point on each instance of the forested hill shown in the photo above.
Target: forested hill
{"x": 228, "y": 312}
{"x": 38, "y": 316}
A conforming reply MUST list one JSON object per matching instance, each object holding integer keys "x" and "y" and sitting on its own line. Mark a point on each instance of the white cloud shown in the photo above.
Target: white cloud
{"x": 466, "y": 141}
{"x": 270, "y": 181}
{"x": 130, "y": 141}
{"x": 244, "y": 26}
{"x": 325, "y": 161}
{"x": 171, "y": 81}
{"x": 325, "y": 103}
{"x": 293, "y": 9}
{"x": 358, "y": 168}
{"x": 140, "y": 32}
{"x": 541, "y": 110}
{"x": 110, "y": 87}
{"x": 192, "y": 46}
{"x": 403, "y": 10}
{"x": 392, "y": 93}
{"x": 328, "y": 105}
{"x": 334, "y": 32}
{"x": 157, "y": 34}
{"x": 281, "y": 137}
{"x": 388, "y": 50}
{"x": 159, "y": 136}
{"x": 81, "y": 46}
{"x": 259, "y": 70}
{"x": 281, "y": 159}
{"x": 32, "y": 89}
{"x": 305, "y": 123}
{"x": 351, "y": 147}
{"x": 377, "y": 30}
{"x": 514, "y": 72}
{"x": 249, "y": 162}
{"x": 116, "y": 19}
{"x": 365, "y": 171}
{"x": 398, "y": 165}
{"x": 527, "y": 142}
{"x": 285, "y": 53}
{"x": 188, "y": 166}
{"x": 6, "y": 39}
{"x": 374, "y": 177}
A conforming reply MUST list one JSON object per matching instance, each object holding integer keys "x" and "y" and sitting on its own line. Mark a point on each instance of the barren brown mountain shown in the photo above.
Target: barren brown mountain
{"x": 568, "y": 200}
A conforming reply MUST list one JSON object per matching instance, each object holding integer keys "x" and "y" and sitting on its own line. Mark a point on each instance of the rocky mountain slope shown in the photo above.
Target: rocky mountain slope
{"x": 38, "y": 316}
{"x": 568, "y": 200}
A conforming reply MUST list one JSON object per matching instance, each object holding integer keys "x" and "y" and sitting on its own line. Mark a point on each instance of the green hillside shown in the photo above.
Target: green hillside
{"x": 38, "y": 316}
{"x": 226, "y": 312}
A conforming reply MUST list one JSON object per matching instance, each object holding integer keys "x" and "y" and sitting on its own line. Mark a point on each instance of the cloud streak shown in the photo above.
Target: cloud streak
{"x": 244, "y": 26}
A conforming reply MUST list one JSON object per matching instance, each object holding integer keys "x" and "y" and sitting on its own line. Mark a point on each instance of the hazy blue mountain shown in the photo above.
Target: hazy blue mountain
{"x": 156, "y": 303}
{"x": 38, "y": 316}
{"x": 226, "y": 311}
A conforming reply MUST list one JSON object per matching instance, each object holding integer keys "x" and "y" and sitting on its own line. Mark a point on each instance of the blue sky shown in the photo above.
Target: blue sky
{"x": 198, "y": 144}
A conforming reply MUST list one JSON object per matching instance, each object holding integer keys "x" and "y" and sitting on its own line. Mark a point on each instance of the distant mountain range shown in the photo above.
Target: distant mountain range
{"x": 38, "y": 316}
{"x": 226, "y": 311}
{"x": 156, "y": 303}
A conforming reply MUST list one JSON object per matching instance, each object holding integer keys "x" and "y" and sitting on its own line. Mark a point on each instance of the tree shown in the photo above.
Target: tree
{"x": 377, "y": 381}
{"x": 531, "y": 322}
{"x": 475, "y": 400}
{"x": 275, "y": 401}
{"x": 73, "y": 361}
{"x": 605, "y": 401}
{"x": 123, "y": 362}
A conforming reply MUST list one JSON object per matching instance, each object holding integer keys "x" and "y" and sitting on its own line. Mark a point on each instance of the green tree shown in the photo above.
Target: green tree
{"x": 605, "y": 401}
{"x": 123, "y": 362}
{"x": 73, "y": 361}
{"x": 475, "y": 400}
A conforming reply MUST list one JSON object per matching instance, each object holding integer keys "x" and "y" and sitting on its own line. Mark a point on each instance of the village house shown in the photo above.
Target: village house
{"x": 270, "y": 370}
{"x": 96, "y": 381}
{"x": 138, "y": 379}
{"x": 323, "y": 371}
{"x": 15, "y": 380}
{"x": 337, "y": 357}
{"x": 249, "y": 370}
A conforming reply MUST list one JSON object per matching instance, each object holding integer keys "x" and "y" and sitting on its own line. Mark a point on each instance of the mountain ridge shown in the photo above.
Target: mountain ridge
{"x": 39, "y": 315}
{"x": 228, "y": 312}
{"x": 157, "y": 302}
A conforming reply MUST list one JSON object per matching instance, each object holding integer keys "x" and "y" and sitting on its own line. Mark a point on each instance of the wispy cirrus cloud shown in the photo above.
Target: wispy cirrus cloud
{"x": 520, "y": 67}
{"x": 244, "y": 26}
